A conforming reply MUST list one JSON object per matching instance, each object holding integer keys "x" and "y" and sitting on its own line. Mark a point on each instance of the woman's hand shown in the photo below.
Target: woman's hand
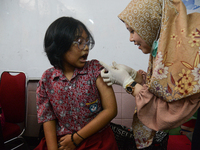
{"x": 132, "y": 72}
{"x": 137, "y": 77}
{"x": 115, "y": 75}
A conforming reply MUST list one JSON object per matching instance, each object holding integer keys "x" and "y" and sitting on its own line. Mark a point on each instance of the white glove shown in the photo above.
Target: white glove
{"x": 131, "y": 71}
{"x": 115, "y": 75}
{"x": 107, "y": 78}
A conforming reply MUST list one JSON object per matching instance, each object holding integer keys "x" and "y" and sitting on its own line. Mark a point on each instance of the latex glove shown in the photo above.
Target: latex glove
{"x": 131, "y": 71}
{"x": 115, "y": 75}
{"x": 106, "y": 77}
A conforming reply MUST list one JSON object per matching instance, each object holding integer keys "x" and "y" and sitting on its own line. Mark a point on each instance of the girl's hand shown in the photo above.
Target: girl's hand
{"x": 66, "y": 143}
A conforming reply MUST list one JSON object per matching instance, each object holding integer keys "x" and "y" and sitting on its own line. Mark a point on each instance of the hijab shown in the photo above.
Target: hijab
{"x": 144, "y": 17}
{"x": 174, "y": 63}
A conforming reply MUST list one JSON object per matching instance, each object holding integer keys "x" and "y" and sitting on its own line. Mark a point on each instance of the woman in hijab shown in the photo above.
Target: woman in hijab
{"x": 169, "y": 93}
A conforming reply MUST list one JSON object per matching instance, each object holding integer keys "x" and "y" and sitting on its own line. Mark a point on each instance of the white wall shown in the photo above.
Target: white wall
{"x": 23, "y": 24}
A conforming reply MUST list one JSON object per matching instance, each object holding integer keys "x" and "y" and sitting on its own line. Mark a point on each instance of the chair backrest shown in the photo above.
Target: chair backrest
{"x": 13, "y": 95}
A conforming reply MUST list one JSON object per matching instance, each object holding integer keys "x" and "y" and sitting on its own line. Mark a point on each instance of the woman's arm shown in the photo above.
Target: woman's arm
{"x": 50, "y": 134}
{"x": 103, "y": 118}
{"x": 137, "y": 89}
{"x": 157, "y": 114}
{"x": 139, "y": 78}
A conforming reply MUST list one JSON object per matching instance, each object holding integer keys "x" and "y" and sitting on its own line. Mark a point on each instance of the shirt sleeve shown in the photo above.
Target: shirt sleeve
{"x": 157, "y": 114}
{"x": 97, "y": 67}
{"x": 44, "y": 108}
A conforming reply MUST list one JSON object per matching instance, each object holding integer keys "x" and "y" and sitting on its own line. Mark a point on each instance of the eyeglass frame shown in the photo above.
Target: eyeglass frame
{"x": 90, "y": 41}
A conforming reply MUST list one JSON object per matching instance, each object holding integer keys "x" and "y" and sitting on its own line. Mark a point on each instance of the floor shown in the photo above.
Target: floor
{"x": 175, "y": 142}
{"x": 32, "y": 142}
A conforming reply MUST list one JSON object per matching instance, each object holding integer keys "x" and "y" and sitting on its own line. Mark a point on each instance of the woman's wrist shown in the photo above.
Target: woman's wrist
{"x": 137, "y": 89}
{"x": 139, "y": 78}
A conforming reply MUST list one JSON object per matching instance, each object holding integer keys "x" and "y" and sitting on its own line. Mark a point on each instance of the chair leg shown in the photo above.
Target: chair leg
{"x": 17, "y": 144}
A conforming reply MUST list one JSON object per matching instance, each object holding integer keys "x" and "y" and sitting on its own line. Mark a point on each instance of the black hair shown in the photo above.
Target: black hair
{"x": 60, "y": 36}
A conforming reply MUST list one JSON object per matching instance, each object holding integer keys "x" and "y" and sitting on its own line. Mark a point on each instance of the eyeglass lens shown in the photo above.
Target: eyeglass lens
{"x": 82, "y": 43}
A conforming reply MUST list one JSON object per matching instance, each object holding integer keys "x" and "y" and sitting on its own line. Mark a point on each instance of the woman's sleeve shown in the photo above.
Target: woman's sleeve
{"x": 157, "y": 114}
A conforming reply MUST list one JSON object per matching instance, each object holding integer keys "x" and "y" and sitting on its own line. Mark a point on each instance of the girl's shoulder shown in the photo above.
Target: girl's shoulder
{"x": 94, "y": 67}
{"x": 48, "y": 71}
{"x": 51, "y": 73}
{"x": 94, "y": 64}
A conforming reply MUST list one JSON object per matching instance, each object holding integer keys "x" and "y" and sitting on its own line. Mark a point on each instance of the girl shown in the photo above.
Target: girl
{"x": 73, "y": 103}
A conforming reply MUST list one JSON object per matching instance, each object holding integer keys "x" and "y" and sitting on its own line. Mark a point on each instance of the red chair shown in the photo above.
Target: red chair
{"x": 13, "y": 99}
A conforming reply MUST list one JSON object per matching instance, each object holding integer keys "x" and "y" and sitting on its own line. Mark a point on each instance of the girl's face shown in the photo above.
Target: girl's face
{"x": 75, "y": 57}
{"x": 134, "y": 37}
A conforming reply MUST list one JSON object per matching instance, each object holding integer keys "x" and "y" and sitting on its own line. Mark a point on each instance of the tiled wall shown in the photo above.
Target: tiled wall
{"x": 126, "y": 106}
{"x": 125, "y": 103}
{"x": 32, "y": 124}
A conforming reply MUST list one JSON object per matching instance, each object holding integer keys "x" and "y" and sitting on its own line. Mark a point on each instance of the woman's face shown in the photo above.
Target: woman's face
{"x": 134, "y": 37}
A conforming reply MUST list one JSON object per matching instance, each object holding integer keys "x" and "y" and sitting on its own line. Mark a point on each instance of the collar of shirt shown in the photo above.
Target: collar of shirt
{"x": 58, "y": 73}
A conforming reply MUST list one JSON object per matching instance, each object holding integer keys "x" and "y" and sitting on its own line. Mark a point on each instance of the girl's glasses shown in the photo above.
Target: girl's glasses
{"x": 81, "y": 42}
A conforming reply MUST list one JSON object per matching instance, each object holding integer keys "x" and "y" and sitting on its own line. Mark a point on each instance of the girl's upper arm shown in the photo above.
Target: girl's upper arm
{"x": 107, "y": 94}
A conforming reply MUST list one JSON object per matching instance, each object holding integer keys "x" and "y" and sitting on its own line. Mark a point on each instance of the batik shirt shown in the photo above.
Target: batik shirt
{"x": 72, "y": 103}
